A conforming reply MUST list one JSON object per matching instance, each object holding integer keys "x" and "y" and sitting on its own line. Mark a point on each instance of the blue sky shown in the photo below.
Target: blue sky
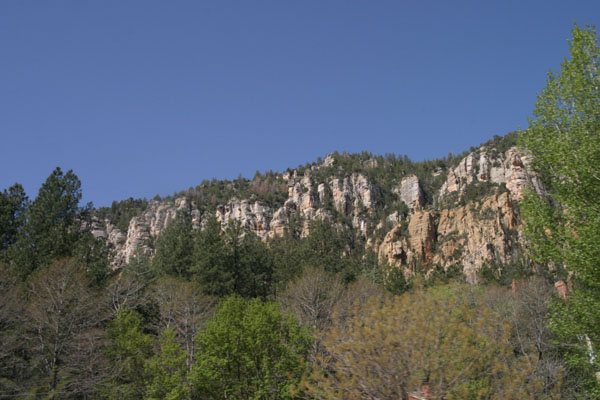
{"x": 150, "y": 97}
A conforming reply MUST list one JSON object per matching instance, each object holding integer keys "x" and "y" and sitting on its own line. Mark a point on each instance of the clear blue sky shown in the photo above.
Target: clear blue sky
{"x": 150, "y": 97}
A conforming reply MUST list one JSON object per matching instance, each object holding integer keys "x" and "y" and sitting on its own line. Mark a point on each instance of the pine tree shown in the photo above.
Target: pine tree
{"x": 175, "y": 248}
{"x": 52, "y": 226}
{"x": 13, "y": 203}
{"x": 211, "y": 267}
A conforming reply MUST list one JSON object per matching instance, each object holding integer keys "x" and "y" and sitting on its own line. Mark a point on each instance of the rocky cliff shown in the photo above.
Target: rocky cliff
{"x": 468, "y": 218}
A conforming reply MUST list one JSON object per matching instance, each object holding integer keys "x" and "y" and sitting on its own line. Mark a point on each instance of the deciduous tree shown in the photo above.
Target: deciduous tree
{"x": 184, "y": 308}
{"x": 443, "y": 336}
{"x": 166, "y": 371}
{"x": 563, "y": 224}
{"x": 61, "y": 321}
{"x": 250, "y": 350}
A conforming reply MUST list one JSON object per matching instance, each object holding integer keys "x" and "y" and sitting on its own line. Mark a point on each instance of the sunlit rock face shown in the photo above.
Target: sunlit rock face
{"x": 410, "y": 192}
{"x": 511, "y": 168}
{"x": 467, "y": 234}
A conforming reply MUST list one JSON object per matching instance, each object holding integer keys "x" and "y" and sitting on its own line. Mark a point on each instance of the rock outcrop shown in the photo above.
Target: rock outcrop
{"x": 470, "y": 236}
{"x": 511, "y": 168}
{"x": 466, "y": 234}
{"x": 410, "y": 192}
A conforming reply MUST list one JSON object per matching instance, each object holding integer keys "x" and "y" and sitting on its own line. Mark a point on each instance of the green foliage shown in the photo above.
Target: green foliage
{"x": 268, "y": 188}
{"x": 395, "y": 281}
{"x": 211, "y": 265}
{"x": 95, "y": 255}
{"x": 120, "y": 212}
{"x": 288, "y": 259}
{"x": 504, "y": 274}
{"x": 250, "y": 350}
{"x": 256, "y": 268}
{"x": 475, "y": 191}
{"x": 52, "y": 227}
{"x": 563, "y": 226}
{"x": 334, "y": 249}
{"x": 13, "y": 366}
{"x": 324, "y": 247}
{"x": 235, "y": 261}
{"x": 166, "y": 371}
{"x": 12, "y": 207}
{"x": 500, "y": 144}
{"x": 438, "y": 275}
{"x": 128, "y": 351}
{"x": 175, "y": 248}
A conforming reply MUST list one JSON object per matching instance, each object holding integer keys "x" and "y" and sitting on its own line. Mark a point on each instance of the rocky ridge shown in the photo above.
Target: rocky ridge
{"x": 450, "y": 231}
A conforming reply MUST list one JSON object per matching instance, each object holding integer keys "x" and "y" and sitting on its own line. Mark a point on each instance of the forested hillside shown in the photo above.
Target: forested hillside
{"x": 357, "y": 276}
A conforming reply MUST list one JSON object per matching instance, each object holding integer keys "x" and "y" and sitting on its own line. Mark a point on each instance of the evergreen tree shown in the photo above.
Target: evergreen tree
{"x": 331, "y": 249}
{"x": 52, "y": 226}
{"x": 175, "y": 248}
{"x": 563, "y": 225}
{"x": 233, "y": 261}
{"x": 13, "y": 203}
{"x": 256, "y": 268}
{"x": 95, "y": 255}
{"x": 211, "y": 267}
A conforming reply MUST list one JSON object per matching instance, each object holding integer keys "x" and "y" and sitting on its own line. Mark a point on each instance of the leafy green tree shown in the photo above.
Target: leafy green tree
{"x": 129, "y": 350}
{"x": 166, "y": 371}
{"x": 250, "y": 350}
{"x": 175, "y": 248}
{"x": 563, "y": 225}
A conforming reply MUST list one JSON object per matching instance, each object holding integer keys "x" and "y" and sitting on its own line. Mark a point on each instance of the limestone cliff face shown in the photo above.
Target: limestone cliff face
{"x": 410, "y": 192}
{"x": 467, "y": 234}
{"x": 352, "y": 197}
{"x": 143, "y": 229}
{"x": 252, "y": 215}
{"x": 511, "y": 168}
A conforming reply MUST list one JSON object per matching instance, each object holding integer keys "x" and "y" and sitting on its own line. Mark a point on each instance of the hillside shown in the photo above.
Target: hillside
{"x": 459, "y": 211}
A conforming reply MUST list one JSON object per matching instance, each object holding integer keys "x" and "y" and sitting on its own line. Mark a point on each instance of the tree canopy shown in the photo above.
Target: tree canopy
{"x": 563, "y": 224}
{"x": 249, "y": 351}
